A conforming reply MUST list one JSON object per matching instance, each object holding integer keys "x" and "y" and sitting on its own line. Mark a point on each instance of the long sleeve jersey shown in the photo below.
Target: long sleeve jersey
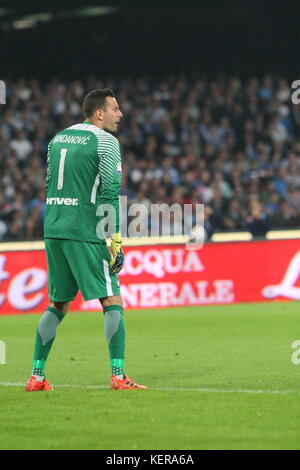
{"x": 83, "y": 184}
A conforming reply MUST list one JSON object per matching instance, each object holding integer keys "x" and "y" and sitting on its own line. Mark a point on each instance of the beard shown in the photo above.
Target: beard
{"x": 110, "y": 131}
{"x": 114, "y": 133}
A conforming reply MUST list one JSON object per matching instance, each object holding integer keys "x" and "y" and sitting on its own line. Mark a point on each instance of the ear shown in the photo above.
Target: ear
{"x": 100, "y": 114}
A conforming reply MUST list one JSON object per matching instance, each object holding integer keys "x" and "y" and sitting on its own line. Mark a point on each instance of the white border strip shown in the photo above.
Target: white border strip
{"x": 168, "y": 389}
{"x": 94, "y": 190}
{"x": 107, "y": 278}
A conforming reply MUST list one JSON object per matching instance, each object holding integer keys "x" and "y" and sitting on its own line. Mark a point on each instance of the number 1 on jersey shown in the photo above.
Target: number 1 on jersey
{"x": 60, "y": 182}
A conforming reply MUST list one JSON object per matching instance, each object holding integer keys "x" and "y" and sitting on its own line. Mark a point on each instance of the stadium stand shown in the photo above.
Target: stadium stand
{"x": 227, "y": 142}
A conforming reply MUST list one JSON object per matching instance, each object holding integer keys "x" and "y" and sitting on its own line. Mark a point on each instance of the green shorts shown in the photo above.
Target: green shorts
{"x": 75, "y": 265}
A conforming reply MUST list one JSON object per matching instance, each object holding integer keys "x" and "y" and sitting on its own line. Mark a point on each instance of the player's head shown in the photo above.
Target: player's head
{"x": 101, "y": 108}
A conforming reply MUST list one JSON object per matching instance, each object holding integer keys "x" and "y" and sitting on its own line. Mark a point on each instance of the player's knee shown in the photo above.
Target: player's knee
{"x": 62, "y": 306}
{"x": 112, "y": 300}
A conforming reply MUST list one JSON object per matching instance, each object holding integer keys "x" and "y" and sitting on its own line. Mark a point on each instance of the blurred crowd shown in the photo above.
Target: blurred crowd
{"x": 232, "y": 145}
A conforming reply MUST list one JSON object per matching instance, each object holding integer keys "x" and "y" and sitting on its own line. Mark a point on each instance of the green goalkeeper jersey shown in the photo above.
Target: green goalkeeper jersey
{"x": 83, "y": 178}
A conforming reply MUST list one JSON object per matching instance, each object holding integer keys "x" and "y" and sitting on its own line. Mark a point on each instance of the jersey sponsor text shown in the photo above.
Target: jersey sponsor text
{"x": 66, "y": 201}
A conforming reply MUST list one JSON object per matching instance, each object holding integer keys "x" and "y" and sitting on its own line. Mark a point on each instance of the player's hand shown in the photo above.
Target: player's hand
{"x": 117, "y": 261}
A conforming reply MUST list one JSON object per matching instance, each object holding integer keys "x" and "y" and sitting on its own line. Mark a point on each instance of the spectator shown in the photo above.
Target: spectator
{"x": 257, "y": 222}
{"x": 21, "y": 145}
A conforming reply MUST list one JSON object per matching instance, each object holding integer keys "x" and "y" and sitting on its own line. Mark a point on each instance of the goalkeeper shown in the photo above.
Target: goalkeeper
{"x": 82, "y": 186}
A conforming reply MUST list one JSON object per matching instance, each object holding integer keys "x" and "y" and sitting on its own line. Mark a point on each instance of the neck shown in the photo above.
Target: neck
{"x": 95, "y": 122}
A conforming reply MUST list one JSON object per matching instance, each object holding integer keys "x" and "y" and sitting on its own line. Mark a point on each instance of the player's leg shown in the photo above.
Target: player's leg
{"x": 95, "y": 280}
{"x": 115, "y": 332}
{"x": 62, "y": 289}
{"x": 116, "y": 335}
{"x": 45, "y": 336}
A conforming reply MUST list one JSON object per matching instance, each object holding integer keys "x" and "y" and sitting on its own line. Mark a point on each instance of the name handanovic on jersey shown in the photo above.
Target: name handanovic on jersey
{"x": 71, "y": 139}
{"x": 59, "y": 201}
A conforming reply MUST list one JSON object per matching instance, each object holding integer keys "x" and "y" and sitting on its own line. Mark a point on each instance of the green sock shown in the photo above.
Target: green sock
{"x": 45, "y": 336}
{"x": 115, "y": 334}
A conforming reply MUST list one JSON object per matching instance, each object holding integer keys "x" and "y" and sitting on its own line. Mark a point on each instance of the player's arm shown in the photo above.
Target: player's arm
{"x": 109, "y": 193}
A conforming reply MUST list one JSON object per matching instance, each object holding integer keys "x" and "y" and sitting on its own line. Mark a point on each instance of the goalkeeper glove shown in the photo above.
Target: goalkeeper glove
{"x": 117, "y": 261}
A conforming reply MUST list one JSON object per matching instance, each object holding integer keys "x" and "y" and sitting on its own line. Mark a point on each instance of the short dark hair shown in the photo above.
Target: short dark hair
{"x": 94, "y": 100}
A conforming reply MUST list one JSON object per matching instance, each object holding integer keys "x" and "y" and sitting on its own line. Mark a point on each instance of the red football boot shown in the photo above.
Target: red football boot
{"x": 34, "y": 386}
{"x": 125, "y": 384}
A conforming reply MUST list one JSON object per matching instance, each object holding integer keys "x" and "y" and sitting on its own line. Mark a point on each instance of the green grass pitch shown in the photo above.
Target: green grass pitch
{"x": 219, "y": 377}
